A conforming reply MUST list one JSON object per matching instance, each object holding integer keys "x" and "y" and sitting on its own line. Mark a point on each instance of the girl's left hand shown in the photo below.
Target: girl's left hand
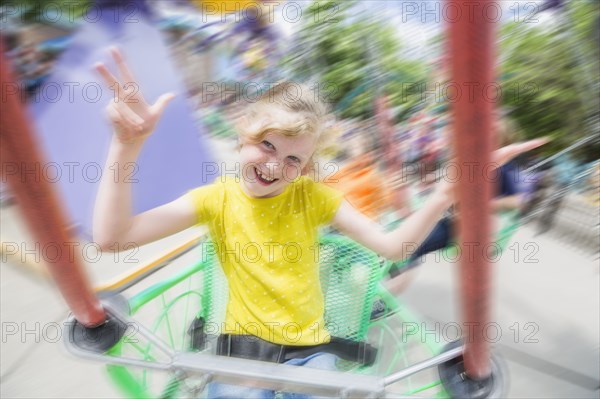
{"x": 505, "y": 154}
{"x": 498, "y": 158}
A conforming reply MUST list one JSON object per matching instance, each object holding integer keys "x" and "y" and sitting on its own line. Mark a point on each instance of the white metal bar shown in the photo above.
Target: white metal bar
{"x": 434, "y": 361}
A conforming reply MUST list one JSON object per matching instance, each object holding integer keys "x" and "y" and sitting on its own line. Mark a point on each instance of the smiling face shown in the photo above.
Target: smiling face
{"x": 270, "y": 165}
{"x": 279, "y": 134}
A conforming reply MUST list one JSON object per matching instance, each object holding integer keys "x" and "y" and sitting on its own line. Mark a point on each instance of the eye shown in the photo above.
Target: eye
{"x": 294, "y": 159}
{"x": 268, "y": 145}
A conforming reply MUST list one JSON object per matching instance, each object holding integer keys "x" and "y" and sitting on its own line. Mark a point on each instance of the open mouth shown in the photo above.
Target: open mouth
{"x": 262, "y": 179}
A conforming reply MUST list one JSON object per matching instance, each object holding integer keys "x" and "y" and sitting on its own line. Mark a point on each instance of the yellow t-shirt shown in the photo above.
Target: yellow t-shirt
{"x": 268, "y": 249}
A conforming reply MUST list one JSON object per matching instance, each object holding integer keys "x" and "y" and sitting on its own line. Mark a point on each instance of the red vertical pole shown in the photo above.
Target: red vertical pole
{"x": 22, "y": 166}
{"x": 471, "y": 40}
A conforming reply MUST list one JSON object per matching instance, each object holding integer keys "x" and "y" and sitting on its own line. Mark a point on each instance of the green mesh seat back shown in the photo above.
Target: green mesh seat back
{"x": 216, "y": 292}
{"x": 349, "y": 275}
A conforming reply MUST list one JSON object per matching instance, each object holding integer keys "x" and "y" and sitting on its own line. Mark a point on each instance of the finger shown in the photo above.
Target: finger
{"x": 109, "y": 79}
{"x": 131, "y": 117}
{"x": 124, "y": 70}
{"x": 159, "y": 106}
{"x": 117, "y": 119}
{"x": 113, "y": 115}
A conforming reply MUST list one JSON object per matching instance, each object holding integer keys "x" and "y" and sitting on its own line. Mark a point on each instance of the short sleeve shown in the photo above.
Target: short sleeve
{"x": 204, "y": 200}
{"x": 325, "y": 201}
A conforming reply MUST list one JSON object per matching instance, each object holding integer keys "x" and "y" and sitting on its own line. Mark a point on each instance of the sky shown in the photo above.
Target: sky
{"x": 418, "y": 22}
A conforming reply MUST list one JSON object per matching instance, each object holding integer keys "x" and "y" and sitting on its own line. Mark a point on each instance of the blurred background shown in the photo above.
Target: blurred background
{"x": 383, "y": 67}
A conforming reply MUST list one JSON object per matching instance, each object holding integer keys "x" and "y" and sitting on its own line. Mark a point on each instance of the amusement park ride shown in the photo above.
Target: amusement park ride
{"x": 171, "y": 353}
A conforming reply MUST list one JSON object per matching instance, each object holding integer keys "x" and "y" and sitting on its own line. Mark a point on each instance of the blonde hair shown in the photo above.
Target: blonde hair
{"x": 291, "y": 109}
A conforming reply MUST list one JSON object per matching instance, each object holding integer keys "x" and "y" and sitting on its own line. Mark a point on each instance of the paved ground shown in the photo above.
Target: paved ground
{"x": 546, "y": 306}
{"x": 546, "y": 310}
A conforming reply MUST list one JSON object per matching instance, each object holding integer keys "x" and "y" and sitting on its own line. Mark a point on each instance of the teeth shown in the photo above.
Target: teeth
{"x": 264, "y": 177}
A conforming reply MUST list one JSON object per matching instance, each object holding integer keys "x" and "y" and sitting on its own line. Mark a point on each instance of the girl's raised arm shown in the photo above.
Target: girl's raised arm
{"x": 133, "y": 120}
{"x": 402, "y": 242}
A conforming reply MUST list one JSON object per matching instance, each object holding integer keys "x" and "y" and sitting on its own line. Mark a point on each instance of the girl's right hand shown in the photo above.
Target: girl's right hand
{"x": 133, "y": 119}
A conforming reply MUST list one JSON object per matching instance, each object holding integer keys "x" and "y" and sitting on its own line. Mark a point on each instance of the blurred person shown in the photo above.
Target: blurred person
{"x": 540, "y": 184}
{"x": 552, "y": 196}
{"x": 360, "y": 179}
{"x": 559, "y": 181}
{"x": 28, "y": 66}
{"x": 31, "y": 66}
{"x": 412, "y": 153}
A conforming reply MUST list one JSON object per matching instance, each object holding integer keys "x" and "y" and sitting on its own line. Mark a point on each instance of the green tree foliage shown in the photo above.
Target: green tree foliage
{"x": 549, "y": 70}
{"x": 550, "y": 76}
{"x": 356, "y": 58}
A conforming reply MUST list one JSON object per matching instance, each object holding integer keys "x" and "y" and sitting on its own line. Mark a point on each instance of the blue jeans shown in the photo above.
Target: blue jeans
{"x": 440, "y": 237}
{"x": 321, "y": 360}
